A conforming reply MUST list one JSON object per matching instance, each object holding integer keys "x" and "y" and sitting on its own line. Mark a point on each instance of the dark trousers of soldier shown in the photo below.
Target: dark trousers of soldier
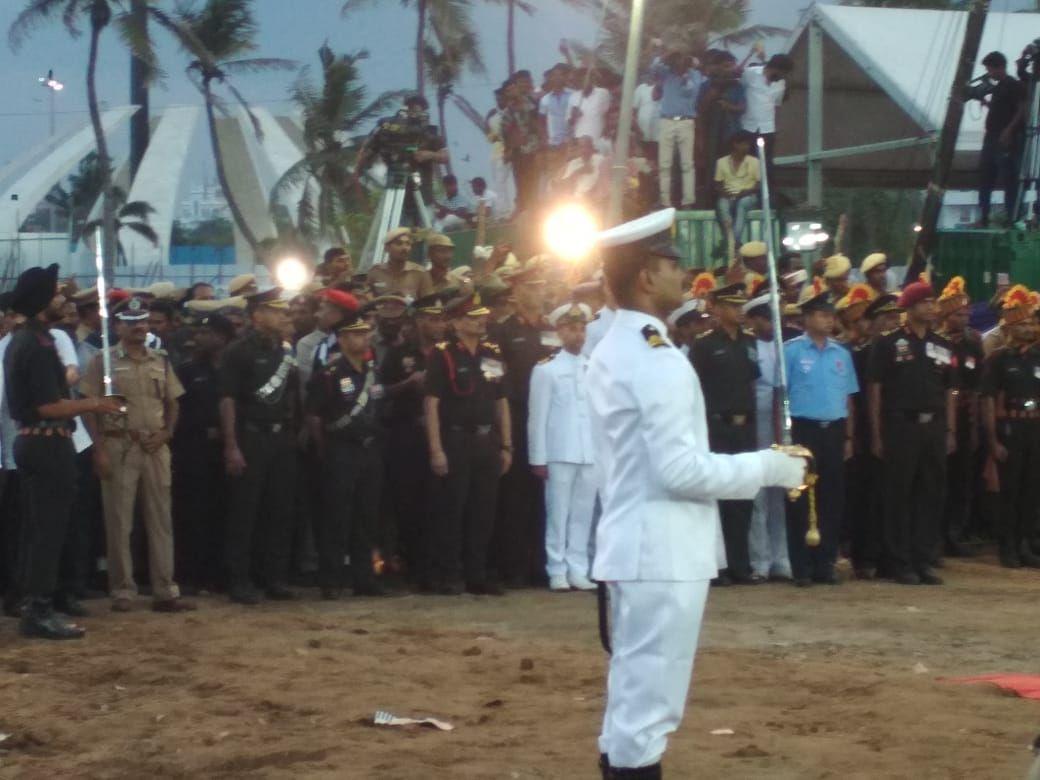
{"x": 353, "y": 487}
{"x": 408, "y": 495}
{"x": 86, "y": 506}
{"x": 826, "y": 441}
{"x": 960, "y": 484}
{"x": 464, "y": 507}
{"x": 9, "y": 535}
{"x": 865, "y": 510}
{"x": 727, "y": 437}
{"x": 519, "y": 541}
{"x": 260, "y": 507}
{"x": 1019, "y": 491}
{"x": 47, "y": 480}
{"x": 199, "y": 511}
{"x": 913, "y": 482}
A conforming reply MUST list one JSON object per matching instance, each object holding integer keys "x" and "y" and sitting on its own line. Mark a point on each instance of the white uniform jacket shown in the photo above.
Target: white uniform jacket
{"x": 660, "y": 482}
{"x": 558, "y": 426}
{"x": 597, "y": 329}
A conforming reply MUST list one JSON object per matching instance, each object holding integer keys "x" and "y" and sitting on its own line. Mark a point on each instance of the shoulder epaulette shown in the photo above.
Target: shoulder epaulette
{"x": 653, "y": 336}
{"x": 548, "y": 358}
{"x": 491, "y": 345}
{"x": 703, "y": 335}
{"x": 441, "y": 345}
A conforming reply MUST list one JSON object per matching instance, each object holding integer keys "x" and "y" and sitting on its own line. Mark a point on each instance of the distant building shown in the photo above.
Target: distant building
{"x": 204, "y": 202}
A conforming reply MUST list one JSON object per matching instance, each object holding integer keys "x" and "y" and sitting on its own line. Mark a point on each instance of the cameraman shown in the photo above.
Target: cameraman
{"x": 1002, "y": 143}
{"x": 407, "y": 144}
{"x": 680, "y": 84}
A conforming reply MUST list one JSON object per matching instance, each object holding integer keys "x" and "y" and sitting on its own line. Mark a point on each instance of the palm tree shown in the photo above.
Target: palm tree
{"x": 131, "y": 216}
{"x": 226, "y": 30}
{"x": 74, "y": 199}
{"x": 332, "y": 115}
{"x": 133, "y": 29}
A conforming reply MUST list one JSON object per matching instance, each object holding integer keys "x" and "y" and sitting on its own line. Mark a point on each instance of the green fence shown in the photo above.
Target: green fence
{"x": 980, "y": 255}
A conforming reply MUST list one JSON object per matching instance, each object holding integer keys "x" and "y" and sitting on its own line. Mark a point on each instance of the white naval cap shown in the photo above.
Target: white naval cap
{"x": 692, "y": 306}
{"x": 755, "y": 303}
{"x": 570, "y": 312}
{"x": 801, "y": 276}
{"x": 638, "y": 229}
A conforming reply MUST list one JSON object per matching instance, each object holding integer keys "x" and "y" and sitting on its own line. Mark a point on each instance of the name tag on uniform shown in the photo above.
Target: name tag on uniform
{"x": 492, "y": 369}
{"x": 940, "y": 355}
{"x": 550, "y": 339}
{"x": 346, "y": 385}
{"x": 806, "y": 364}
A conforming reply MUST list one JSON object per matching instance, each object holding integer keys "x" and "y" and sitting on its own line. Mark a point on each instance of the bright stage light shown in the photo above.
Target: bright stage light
{"x": 570, "y": 232}
{"x": 291, "y": 274}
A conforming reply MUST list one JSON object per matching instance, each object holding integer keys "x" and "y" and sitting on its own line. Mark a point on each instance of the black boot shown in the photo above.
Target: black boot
{"x": 1027, "y": 556}
{"x": 642, "y": 773}
{"x": 39, "y": 620}
{"x": 604, "y": 766}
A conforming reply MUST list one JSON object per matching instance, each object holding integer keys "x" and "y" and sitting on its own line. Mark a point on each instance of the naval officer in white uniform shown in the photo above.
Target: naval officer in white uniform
{"x": 656, "y": 539}
{"x": 560, "y": 450}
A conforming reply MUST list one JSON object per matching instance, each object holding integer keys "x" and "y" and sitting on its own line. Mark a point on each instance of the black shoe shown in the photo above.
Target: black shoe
{"x": 929, "y": 577}
{"x": 722, "y": 581}
{"x": 642, "y": 773}
{"x": 485, "y": 589}
{"x": 38, "y": 623}
{"x": 865, "y": 573}
{"x": 450, "y": 589}
{"x": 70, "y": 605}
{"x": 12, "y": 606}
{"x": 958, "y": 549}
{"x": 907, "y": 578}
{"x": 1027, "y": 556}
{"x": 280, "y": 593}
{"x": 247, "y": 595}
{"x": 1009, "y": 559}
{"x": 604, "y": 766}
{"x": 802, "y": 582}
{"x": 827, "y": 578}
{"x": 369, "y": 589}
{"x": 331, "y": 594}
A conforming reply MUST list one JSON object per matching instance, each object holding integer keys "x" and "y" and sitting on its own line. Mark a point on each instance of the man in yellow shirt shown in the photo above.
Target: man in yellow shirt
{"x": 736, "y": 185}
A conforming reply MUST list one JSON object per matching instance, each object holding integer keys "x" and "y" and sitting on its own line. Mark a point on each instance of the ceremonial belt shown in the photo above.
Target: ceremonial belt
{"x": 45, "y": 431}
{"x": 914, "y": 416}
{"x": 359, "y": 406}
{"x": 730, "y": 418}
{"x": 273, "y": 390}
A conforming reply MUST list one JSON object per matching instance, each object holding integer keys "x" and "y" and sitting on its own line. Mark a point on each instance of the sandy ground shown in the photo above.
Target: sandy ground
{"x": 820, "y": 683}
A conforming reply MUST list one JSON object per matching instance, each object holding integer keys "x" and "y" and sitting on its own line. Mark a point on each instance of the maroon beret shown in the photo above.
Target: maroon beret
{"x": 915, "y": 293}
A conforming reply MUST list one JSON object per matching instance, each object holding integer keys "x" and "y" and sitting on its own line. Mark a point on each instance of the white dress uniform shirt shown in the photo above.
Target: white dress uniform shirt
{"x": 762, "y": 98}
{"x": 560, "y": 438}
{"x": 597, "y": 329}
{"x": 70, "y": 359}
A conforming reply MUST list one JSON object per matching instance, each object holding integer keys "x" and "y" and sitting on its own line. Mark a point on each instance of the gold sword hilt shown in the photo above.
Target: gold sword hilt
{"x": 812, "y": 536}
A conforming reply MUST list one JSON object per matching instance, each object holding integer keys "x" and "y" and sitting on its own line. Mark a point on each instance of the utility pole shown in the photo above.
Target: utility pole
{"x": 52, "y": 85}
{"x": 140, "y": 76}
{"x": 948, "y": 138}
{"x": 628, "y": 87}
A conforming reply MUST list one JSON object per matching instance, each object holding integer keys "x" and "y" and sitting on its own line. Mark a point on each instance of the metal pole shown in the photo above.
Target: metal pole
{"x": 106, "y": 356}
{"x": 774, "y": 293}
{"x": 51, "y": 90}
{"x": 814, "y": 167}
{"x": 619, "y": 172}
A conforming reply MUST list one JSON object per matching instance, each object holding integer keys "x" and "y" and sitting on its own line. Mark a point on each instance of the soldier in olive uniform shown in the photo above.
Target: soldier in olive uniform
{"x": 470, "y": 441}
{"x": 1011, "y": 392}
{"x": 344, "y": 420}
{"x": 913, "y": 417}
{"x": 726, "y": 362}
{"x": 257, "y": 405}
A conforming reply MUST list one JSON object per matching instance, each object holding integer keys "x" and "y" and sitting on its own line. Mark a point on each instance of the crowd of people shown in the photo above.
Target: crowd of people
{"x": 694, "y": 121}
{"x": 430, "y": 428}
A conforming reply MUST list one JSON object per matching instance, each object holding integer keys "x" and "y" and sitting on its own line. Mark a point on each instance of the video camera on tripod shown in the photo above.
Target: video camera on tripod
{"x": 397, "y": 140}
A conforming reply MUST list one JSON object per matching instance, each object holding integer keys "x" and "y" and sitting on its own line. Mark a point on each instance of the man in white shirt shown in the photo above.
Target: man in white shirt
{"x": 560, "y": 450}
{"x": 482, "y": 196}
{"x": 501, "y": 170}
{"x": 582, "y": 177}
{"x": 647, "y": 112}
{"x": 765, "y": 87}
{"x": 656, "y": 539}
{"x": 589, "y": 110}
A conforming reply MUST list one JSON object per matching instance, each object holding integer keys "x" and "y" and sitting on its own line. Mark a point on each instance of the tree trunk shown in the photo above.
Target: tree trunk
{"x": 441, "y": 98}
{"x": 218, "y": 161}
{"x": 108, "y": 206}
{"x": 140, "y": 74}
{"x": 420, "y": 49}
{"x": 511, "y": 37}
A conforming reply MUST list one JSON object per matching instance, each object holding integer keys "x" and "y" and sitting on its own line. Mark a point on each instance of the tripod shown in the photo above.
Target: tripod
{"x": 389, "y": 211}
{"x": 1029, "y": 167}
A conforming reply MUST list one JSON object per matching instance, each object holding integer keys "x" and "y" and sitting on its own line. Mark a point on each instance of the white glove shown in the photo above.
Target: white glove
{"x": 783, "y": 470}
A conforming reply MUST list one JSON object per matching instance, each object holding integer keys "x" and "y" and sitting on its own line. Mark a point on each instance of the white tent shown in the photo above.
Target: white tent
{"x": 869, "y": 93}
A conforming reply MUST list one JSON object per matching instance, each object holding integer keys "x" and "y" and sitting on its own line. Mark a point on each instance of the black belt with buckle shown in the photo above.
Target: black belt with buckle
{"x": 824, "y": 424}
{"x": 479, "y": 430}
{"x": 731, "y": 418}
{"x": 921, "y": 418}
{"x": 263, "y": 427}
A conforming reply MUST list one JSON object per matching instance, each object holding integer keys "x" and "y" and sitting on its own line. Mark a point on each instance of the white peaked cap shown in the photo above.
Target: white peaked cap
{"x": 560, "y": 311}
{"x": 754, "y": 303}
{"x": 637, "y": 229}
{"x": 698, "y": 305}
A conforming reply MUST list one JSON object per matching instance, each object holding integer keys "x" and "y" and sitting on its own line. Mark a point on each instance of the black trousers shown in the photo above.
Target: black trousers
{"x": 464, "y": 507}
{"x": 9, "y": 533}
{"x": 260, "y": 508}
{"x": 827, "y": 444}
{"x": 727, "y": 438}
{"x": 353, "y": 486}
{"x": 865, "y": 509}
{"x": 960, "y": 483}
{"x": 47, "y": 478}
{"x": 519, "y": 541}
{"x": 527, "y": 174}
{"x": 86, "y": 507}
{"x": 408, "y": 495}
{"x": 998, "y": 162}
{"x": 199, "y": 510}
{"x": 1019, "y": 473}
{"x": 913, "y": 483}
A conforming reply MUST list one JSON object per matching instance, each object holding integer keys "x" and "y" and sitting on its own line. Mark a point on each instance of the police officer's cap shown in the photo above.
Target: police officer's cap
{"x": 732, "y": 293}
{"x": 471, "y": 305}
{"x": 882, "y": 305}
{"x": 821, "y": 302}
{"x": 570, "y": 313}
{"x": 433, "y": 304}
{"x": 132, "y": 310}
{"x": 494, "y": 291}
{"x": 34, "y": 290}
{"x": 271, "y": 298}
{"x": 354, "y": 322}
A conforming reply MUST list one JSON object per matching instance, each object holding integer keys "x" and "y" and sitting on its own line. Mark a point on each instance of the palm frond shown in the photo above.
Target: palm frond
{"x": 133, "y": 31}
{"x": 258, "y": 65}
{"x": 144, "y": 230}
{"x": 354, "y": 5}
{"x": 747, "y": 35}
{"x": 138, "y": 209}
{"x": 39, "y": 12}
{"x": 258, "y": 131}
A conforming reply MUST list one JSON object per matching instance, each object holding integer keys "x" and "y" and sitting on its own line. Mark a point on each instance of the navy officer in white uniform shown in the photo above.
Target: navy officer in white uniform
{"x": 560, "y": 450}
{"x": 656, "y": 539}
